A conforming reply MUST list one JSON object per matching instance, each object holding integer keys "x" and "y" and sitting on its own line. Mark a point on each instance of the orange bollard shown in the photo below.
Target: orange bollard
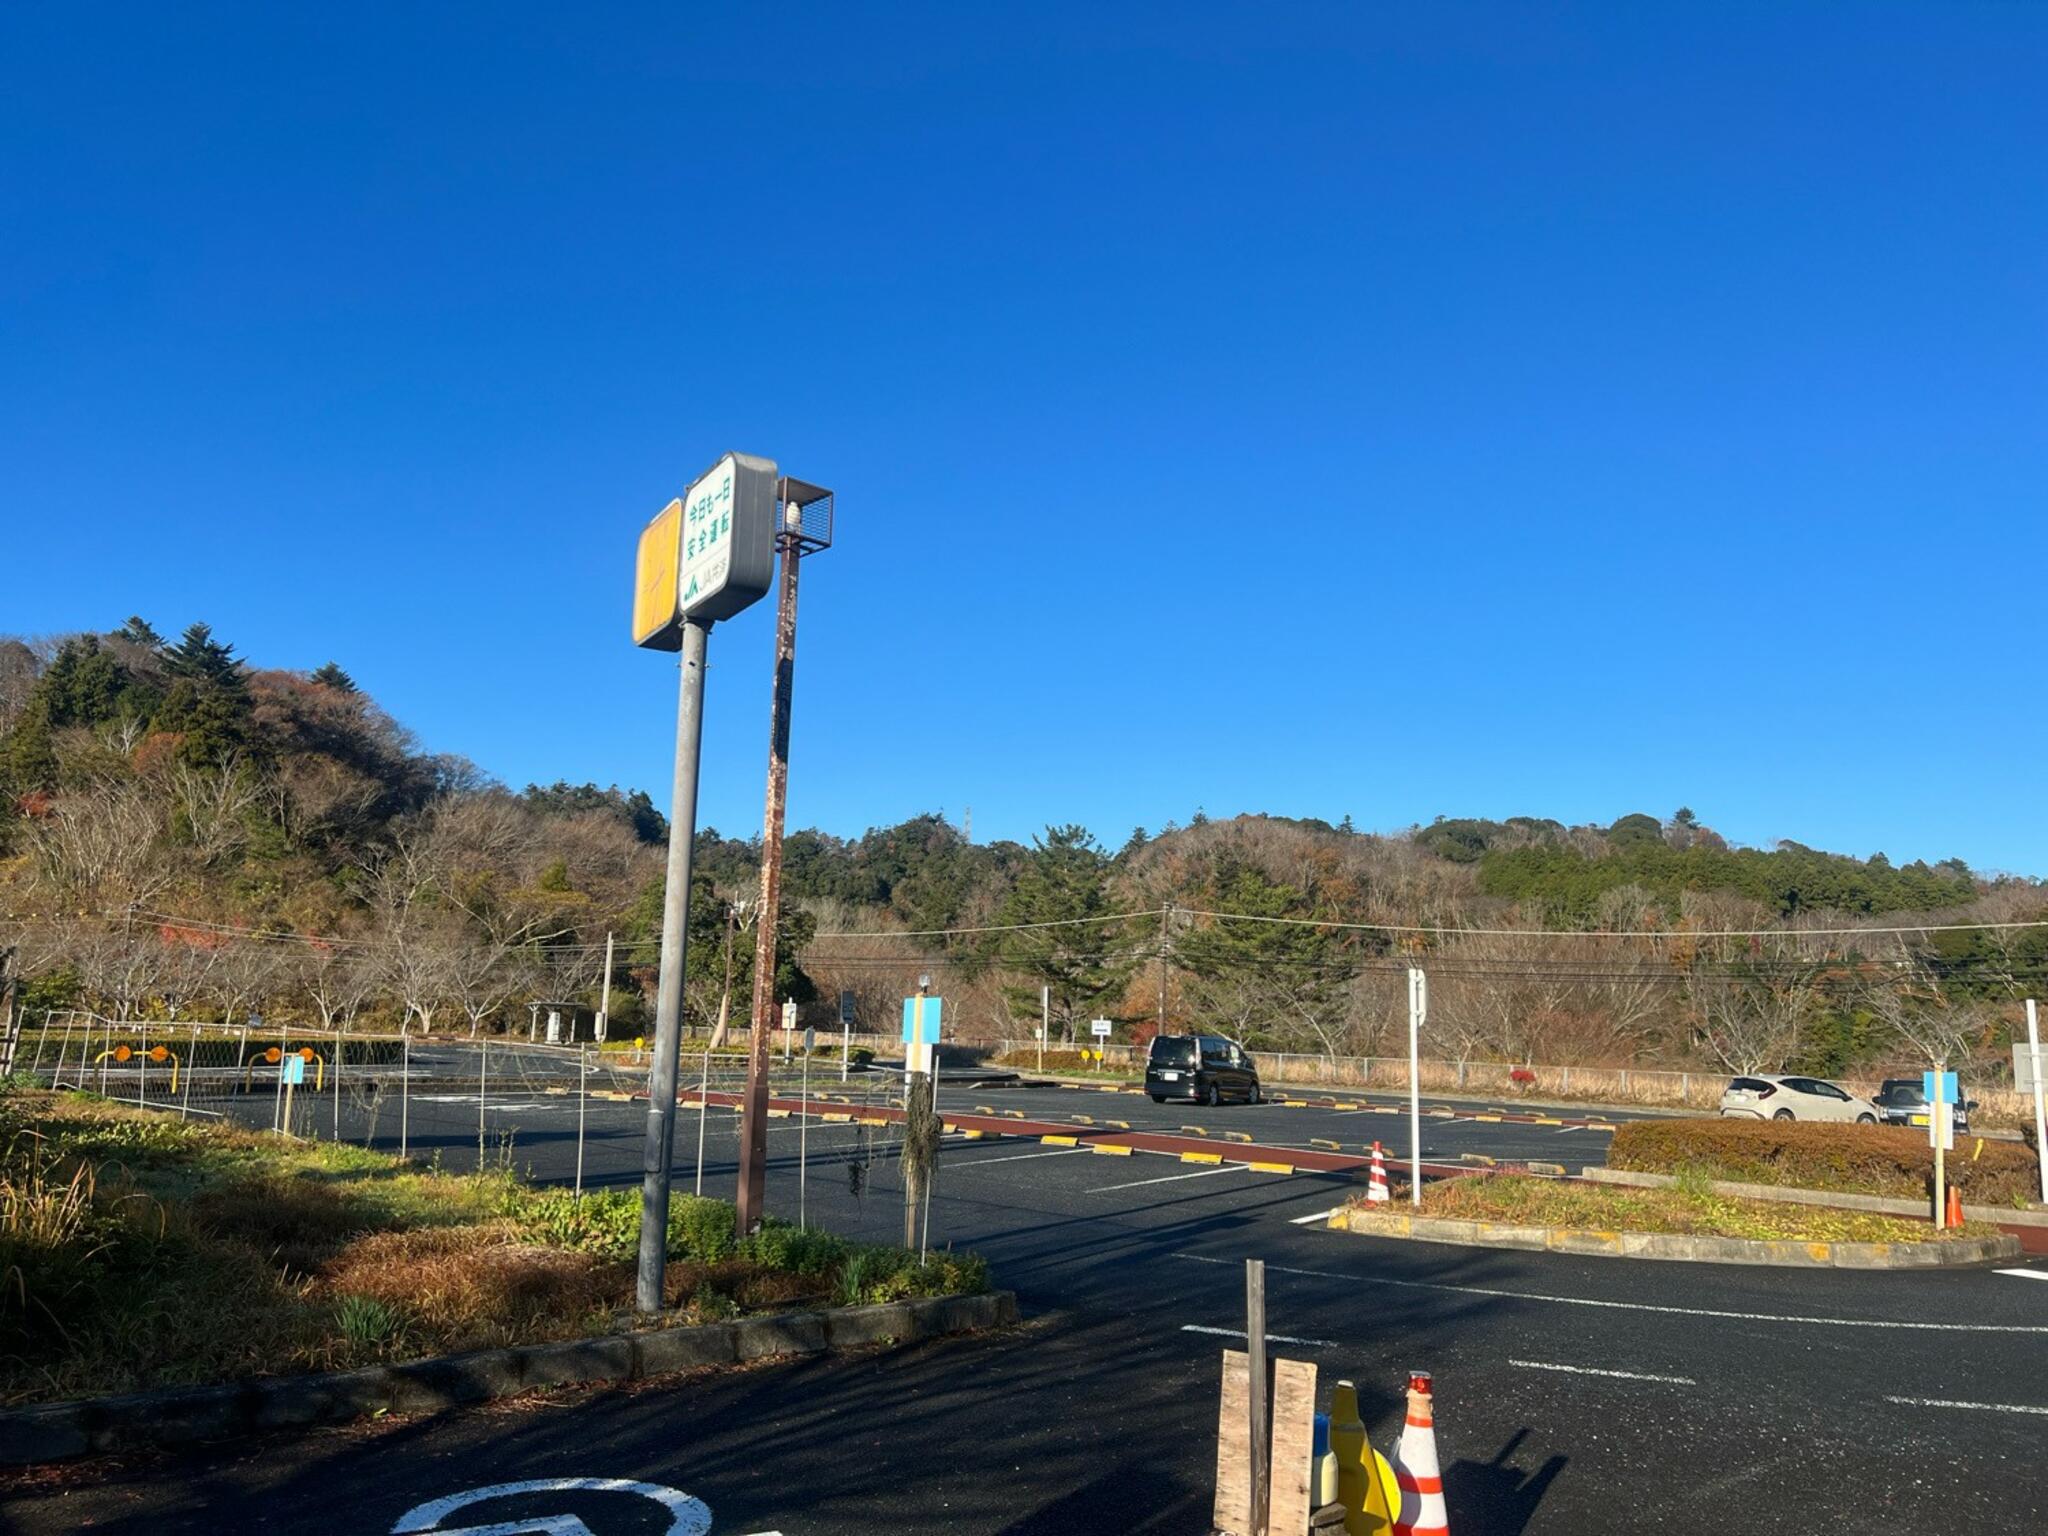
{"x": 1955, "y": 1207}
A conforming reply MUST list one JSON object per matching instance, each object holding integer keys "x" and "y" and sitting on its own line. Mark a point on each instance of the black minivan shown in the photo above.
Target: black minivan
{"x": 1203, "y": 1069}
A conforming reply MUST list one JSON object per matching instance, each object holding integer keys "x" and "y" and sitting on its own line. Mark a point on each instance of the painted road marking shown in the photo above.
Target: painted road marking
{"x": 1199, "y": 1173}
{"x": 1315, "y": 1216}
{"x": 984, "y": 1162}
{"x": 1637, "y": 1306}
{"x": 2024, "y": 1274}
{"x": 687, "y": 1516}
{"x": 1588, "y": 1370}
{"x": 1271, "y": 1338}
{"x": 1943, "y": 1402}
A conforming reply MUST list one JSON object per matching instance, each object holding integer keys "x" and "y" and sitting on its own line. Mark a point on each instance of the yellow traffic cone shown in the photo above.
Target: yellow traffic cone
{"x": 1416, "y": 1468}
{"x": 1365, "y": 1482}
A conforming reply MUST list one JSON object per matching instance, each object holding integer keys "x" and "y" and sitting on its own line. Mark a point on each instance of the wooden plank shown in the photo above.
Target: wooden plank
{"x": 1233, "y": 1510}
{"x": 1294, "y": 1425}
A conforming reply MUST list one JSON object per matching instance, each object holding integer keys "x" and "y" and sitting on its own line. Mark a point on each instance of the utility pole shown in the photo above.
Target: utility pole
{"x": 1165, "y": 938}
{"x": 604, "y": 1007}
{"x": 2040, "y": 1116}
{"x": 806, "y": 526}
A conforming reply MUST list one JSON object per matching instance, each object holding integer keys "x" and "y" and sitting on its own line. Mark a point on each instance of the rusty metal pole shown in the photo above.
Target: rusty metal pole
{"x": 754, "y": 1105}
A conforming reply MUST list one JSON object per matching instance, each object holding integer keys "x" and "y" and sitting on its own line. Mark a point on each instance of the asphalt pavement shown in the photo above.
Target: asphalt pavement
{"x": 1574, "y": 1395}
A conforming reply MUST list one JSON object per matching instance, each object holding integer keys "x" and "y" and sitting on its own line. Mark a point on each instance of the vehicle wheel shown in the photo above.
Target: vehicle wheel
{"x": 1158, "y": 1098}
{"x": 1866, "y": 1119}
{"x": 1783, "y": 1114}
{"x": 1254, "y": 1097}
{"x": 1214, "y": 1096}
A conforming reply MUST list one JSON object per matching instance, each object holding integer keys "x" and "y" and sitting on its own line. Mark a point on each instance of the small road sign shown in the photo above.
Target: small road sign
{"x": 294, "y": 1068}
{"x": 846, "y": 1008}
{"x": 1100, "y": 1028}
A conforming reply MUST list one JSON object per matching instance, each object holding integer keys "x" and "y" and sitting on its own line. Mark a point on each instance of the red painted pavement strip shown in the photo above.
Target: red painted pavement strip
{"x": 1147, "y": 1141}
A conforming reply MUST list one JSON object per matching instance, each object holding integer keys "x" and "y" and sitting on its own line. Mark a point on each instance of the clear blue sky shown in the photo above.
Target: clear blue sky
{"x": 1369, "y": 409}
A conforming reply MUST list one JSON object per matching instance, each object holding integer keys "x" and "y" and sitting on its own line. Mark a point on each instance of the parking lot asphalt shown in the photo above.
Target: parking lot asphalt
{"x": 1574, "y": 1394}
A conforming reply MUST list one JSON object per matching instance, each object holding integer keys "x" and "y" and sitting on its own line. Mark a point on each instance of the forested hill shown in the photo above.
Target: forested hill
{"x": 140, "y": 775}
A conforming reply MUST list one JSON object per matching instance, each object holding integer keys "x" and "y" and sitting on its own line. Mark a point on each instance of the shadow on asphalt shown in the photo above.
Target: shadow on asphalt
{"x": 1494, "y": 1496}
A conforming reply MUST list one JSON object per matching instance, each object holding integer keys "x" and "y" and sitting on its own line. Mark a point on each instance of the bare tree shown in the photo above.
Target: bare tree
{"x": 1751, "y": 1018}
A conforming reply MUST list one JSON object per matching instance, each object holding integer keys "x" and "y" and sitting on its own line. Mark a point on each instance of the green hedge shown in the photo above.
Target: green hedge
{"x": 1855, "y": 1159}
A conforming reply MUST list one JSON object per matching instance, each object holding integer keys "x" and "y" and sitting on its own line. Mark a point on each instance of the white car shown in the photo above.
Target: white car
{"x": 1770, "y": 1096}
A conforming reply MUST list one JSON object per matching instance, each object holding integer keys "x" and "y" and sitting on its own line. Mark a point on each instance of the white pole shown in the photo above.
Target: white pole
{"x": 1418, "y": 1008}
{"x": 803, "y": 1142}
{"x": 845, "y": 1038}
{"x": 1939, "y": 1124}
{"x": 604, "y": 1007}
{"x": 1044, "y": 1022}
{"x": 2040, "y": 1119}
{"x": 404, "y": 1091}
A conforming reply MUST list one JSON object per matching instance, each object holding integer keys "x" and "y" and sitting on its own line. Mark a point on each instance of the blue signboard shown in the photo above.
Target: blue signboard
{"x": 1943, "y": 1092}
{"x": 295, "y": 1068}
{"x": 933, "y": 1006}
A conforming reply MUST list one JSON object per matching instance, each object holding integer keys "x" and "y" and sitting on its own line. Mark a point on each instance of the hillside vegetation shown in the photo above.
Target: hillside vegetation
{"x": 185, "y": 835}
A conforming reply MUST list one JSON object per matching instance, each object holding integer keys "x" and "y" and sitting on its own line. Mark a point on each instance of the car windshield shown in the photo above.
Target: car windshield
{"x": 1173, "y": 1051}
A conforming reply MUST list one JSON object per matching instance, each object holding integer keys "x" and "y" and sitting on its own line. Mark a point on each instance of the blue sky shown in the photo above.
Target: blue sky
{"x": 1377, "y": 410}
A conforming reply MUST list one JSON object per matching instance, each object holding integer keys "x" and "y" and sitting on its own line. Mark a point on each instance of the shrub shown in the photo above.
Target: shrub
{"x": 701, "y": 1229}
{"x": 797, "y": 1250}
{"x": 605, "y": 1224}
{"x": 1858, "y": 1159}
{"x": 1064, "y": 1061}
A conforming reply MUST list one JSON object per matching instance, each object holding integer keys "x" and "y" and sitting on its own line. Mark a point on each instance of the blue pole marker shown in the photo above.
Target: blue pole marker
{"x": 934, "y": 1007}
{"x": 1943, "y": 1091}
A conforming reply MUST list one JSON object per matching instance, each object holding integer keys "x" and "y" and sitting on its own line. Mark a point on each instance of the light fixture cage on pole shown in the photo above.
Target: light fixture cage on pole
{"x": 806, "y": 516}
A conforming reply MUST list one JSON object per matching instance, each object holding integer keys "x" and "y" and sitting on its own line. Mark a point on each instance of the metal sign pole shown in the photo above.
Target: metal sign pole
{"x": 1255, "y": 1358}
{"x": 803, "y": 1139}
{"x": 1418, "y": 1007}
{"x": 1044, "y": 1022}
{"x": 668, "y": 1006}
{"x": 703, "y": 1112}
{"x": 2040, "y": 1118}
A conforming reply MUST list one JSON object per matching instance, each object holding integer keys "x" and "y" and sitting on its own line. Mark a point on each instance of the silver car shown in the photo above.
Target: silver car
{"x": 1772, "y": 1096}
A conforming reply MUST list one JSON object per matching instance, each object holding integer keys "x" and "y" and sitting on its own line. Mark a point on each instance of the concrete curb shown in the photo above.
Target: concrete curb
{"x": 1885, "y": 1205}
{"x": 184, "y": 1415}
{"x": 1698, "y": 1250}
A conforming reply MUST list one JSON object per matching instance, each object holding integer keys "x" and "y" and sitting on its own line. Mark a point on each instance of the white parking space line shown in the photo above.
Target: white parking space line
{"x": 1635, "y": 1306}
{"x": 988, "y": 1162}
{"x": 1943, "y": 1402}
{"x": 1588, "y": 1370}
{"x": 1313, "y": 1216}
{"x": 1567, "y": 1130}
{"x": 1271, "y": 1338}
{"x": 2024, "y": 1274}
{"x": 1199, "y": 1173}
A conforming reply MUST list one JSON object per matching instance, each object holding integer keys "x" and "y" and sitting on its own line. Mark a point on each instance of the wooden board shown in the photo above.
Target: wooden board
{"x": 1294, "y": 1434}
{"x": 1233, "y": 1510}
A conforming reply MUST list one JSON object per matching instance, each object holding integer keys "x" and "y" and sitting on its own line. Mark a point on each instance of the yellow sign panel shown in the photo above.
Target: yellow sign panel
{"x": 656, "y": 615}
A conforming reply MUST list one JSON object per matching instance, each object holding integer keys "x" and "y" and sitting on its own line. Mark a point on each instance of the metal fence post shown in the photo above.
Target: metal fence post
{"x": 582, "y": 1098}
{"x": 483, "y": 1079}
{"x": 338, "y": 1048}
{"x": 404, "y": 1090}
{"x": 142, "y": 1070}
{"x": 191, "y": 1062}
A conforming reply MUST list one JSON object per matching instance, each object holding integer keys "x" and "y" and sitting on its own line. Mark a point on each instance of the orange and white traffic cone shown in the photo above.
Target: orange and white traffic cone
{"x": 1416, "y": 1469}
{"x": 1377, "y": 1189}
{"x": 1955, "y": 1207}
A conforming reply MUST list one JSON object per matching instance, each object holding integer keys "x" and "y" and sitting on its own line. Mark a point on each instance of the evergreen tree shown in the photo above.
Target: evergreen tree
{"x": 330, "y": 675}
{"x": 139, "y": 631}
{"x": 1063, "y": 885}
{"x": 201, "y": 658}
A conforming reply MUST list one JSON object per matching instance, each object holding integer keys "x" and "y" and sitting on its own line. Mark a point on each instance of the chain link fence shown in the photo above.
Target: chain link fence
{"x": 559, "y": 1114}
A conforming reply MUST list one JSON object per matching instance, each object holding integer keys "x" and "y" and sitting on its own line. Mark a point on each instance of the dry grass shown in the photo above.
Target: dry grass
{"x": 140, "y": 1252}
{"x": 477, "y": 1287}
{"x": 1692, "y": 1209}
{"x": 1856, "y": 1159}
